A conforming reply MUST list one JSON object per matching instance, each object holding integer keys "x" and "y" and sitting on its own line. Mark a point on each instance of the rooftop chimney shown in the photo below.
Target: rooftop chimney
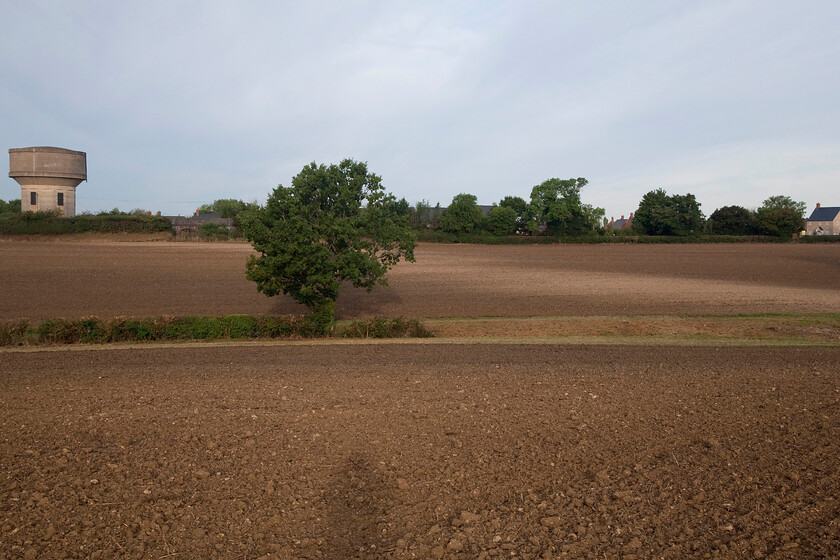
{"x": 818, "y": 205}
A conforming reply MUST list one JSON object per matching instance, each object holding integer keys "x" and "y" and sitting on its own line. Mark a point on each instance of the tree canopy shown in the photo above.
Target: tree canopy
{"x": 660, "y": 214}
{"x": 502, "y": 220}
{"x": 334, "y": 224}
{"x": 781, "y": 202}
{"x": 781, "y": 216}
{"x": 226, "y": 207}
{"x": 11, "y": 207}
{"x": 556, "y": 204}
{"x": 732, "y": 220}
{"x": 462, "y": 216}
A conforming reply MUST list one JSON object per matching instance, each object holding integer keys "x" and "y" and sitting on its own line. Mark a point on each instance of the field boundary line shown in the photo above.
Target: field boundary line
{"x": 489, "y": 341}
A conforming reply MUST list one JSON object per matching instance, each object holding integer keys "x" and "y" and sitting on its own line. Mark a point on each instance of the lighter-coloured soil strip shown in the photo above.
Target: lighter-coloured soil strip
{"x": 814, "y": 328}
{"x": 819, "y": 330}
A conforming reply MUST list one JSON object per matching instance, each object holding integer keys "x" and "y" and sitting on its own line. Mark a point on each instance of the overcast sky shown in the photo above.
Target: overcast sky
{"x": 181, "y": 103}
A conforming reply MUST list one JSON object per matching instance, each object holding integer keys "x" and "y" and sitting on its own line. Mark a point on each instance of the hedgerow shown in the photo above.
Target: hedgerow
{"x": 93, "y": 330}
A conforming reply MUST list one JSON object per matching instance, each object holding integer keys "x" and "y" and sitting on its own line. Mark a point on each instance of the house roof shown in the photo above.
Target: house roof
{"x": 619, "y": 224}
{"x": 824, "y": 214}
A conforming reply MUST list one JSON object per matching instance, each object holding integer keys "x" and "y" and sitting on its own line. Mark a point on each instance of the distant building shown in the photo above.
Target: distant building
{"x": 621, "y": 223}
{"x": 48, "y": 178}
{"x": 823, "y": 221}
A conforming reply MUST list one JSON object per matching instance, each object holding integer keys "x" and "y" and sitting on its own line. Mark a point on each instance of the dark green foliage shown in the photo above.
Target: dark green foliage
{"x": 781, "y": 222}
{"x": 92, "y": 330}
{"x": 400, "y": 207}
{"x": 502, "y": 221}
{"x": 517, "y": 204}
{"x": 386, "y": 328}
{"x": 660, "y": 214}
{"x": 425, "y": 216}
{"x": 732, "y": 220}
{"x": 210, "y": 230}
{"x": 820, "y": 239}
{"x": 226, "y": 207}
{"x": 483, "y": 238}
{"x": 781, "y": 202}
{"x": 50, "y": 223}
{"x": 556, "y": 204}
{"x": 462, "y": 216}
{"x": 11, "y": 207}
{"x": 781, "y": 216}
{"x": 334, "y": 224}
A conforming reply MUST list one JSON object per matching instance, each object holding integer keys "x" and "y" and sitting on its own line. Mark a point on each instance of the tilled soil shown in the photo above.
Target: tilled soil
{"x": 71, "y": 279}
{"x": 420, "y": 451}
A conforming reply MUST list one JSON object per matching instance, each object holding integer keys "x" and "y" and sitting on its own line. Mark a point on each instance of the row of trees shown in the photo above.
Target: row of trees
{"x": 661, "y": 214}
{"x": 336, "y": 224}
{"x": 555, "y": 208}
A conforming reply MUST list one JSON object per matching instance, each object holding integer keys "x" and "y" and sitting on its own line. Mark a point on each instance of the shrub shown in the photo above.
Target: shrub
{"x": 210, "y": 230}
{"x": 14, "y": 333}
{"x": 92, "y": 330}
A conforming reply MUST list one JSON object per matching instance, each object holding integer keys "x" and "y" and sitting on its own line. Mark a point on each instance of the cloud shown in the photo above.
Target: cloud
{"x": 177, "y": 102}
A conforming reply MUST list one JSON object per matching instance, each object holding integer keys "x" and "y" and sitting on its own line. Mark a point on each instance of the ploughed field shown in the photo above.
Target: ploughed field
{"x": 324, "y": 449}
{"x": 420, "y": 451}
{"x": 73, "y": 279}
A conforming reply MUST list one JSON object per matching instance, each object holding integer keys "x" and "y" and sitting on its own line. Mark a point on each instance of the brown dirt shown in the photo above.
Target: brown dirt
{"x": 428, "y": 450}
{"x": 79, "y": 278}
{"x": 420, "y": 451}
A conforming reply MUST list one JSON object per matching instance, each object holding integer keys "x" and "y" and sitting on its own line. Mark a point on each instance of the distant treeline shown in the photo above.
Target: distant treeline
{"x": 12, "y": 222}
{"x": 554, "y": 213}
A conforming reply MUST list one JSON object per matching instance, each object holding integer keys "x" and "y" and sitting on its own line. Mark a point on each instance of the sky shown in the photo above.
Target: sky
{"x": 180, "y": 103}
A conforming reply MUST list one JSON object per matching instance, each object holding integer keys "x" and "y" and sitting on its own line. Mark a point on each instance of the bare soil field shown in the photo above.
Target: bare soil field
{"x": 77, "y": 278}
{"x": 488, "y": 449}
{"x": 420, "y": 451}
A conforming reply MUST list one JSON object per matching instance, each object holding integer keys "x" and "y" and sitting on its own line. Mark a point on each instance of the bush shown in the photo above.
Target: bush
{"x": 210, "y": 230}
{"x": 14, "y": 333}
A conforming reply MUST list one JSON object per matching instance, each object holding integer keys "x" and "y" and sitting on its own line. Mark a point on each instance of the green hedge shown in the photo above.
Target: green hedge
{"x": 92, "y": 330}
{"x": 49, "y": 223}
{"x": 820, "y": 239}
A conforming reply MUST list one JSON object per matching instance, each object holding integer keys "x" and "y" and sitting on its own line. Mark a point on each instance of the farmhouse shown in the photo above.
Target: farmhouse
{"x": 823, "y": 221}
{"x": 622, "y": 223}
{"x": 48, "y": 178}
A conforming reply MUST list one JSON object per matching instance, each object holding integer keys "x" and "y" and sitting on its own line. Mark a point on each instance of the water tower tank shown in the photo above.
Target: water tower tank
{"x": 48, "y": 178}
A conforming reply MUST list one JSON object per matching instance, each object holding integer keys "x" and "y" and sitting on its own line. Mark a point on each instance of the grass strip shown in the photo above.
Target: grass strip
{"x": 797, "y": 329}
{"x": 94, "y": 330}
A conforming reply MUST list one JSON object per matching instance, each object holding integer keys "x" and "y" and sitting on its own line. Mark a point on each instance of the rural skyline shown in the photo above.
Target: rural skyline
{"x": 179, "y": 104}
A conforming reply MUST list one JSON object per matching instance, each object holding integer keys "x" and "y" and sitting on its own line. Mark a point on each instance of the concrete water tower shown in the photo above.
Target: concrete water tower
{"x": 48, "y": 178}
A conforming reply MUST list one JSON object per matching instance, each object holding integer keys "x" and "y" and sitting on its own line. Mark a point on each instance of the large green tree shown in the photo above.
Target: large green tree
{"x": 463, "y": 215}
{"x": 502, "y": 220}
{"x": 781, "y": 202}
{"x": 781, "y": 216}
{"x": 660, "y": 214}
{"x": 334, "y": 224}
{"x": 556, "y": 204}
{"x": 732, "y": 220}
